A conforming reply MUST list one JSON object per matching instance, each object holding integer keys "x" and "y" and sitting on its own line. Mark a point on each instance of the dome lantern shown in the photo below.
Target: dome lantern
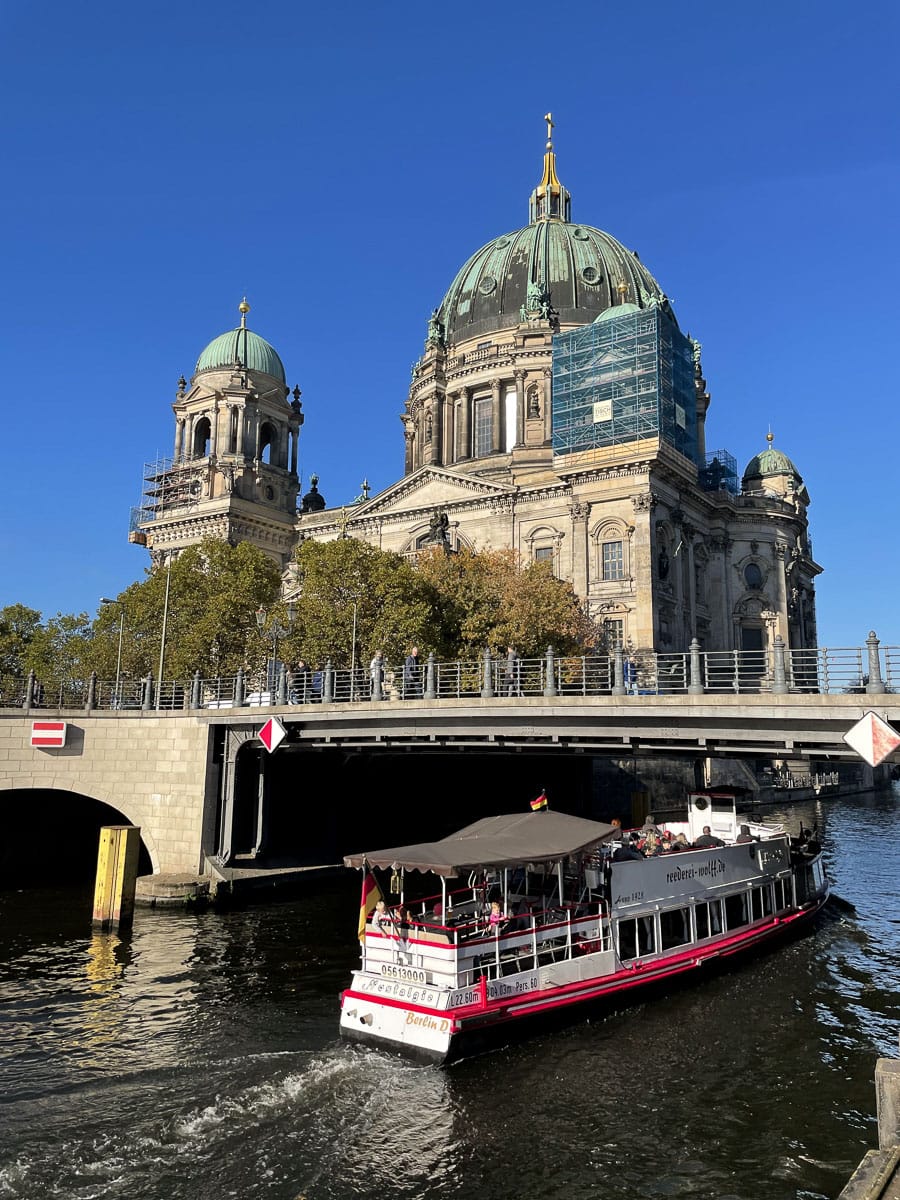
{"x": 550, "y": 201}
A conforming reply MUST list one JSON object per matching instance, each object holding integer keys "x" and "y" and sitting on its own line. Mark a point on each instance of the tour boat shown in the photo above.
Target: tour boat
{"x": 575, "y": 920}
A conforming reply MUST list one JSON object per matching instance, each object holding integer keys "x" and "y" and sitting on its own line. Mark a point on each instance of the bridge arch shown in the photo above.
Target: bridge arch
{"x": 83, "y": 813}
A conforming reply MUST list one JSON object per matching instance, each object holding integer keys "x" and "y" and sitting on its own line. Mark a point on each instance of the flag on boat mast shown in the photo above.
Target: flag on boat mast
{"x": 371, "y": 894}
{"x": 539, "y": 803}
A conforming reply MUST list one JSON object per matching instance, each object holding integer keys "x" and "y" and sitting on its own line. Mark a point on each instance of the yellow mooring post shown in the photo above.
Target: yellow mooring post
{"x": 117, "y": 864}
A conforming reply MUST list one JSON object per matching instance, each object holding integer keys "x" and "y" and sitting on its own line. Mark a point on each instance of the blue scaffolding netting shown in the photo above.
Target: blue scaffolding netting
{"x": 624, "y": 378}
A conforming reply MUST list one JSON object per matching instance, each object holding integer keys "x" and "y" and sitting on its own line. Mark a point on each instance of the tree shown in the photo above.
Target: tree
{"x": 19, "y": 626}
{"x": 214, "y": 591}
{"x": 392, "y": 604}
{"x": 53, "y": 650}
{"x": 491, "y": 599}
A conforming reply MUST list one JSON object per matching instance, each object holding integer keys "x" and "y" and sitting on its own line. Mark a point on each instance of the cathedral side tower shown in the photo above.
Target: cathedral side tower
{"x": 233, "y": 470}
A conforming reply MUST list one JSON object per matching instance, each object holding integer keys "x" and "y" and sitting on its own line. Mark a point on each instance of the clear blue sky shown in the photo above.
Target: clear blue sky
{"x": 338, "y": 163}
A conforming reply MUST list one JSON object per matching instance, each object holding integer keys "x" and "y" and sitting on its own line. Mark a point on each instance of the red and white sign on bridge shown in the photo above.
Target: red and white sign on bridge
{"x": 49, "y": 734}
{"x": 873, "y": 739}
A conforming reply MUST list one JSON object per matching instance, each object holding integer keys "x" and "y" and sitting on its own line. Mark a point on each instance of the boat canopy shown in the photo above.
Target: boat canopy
{"x": 506, "y": 841}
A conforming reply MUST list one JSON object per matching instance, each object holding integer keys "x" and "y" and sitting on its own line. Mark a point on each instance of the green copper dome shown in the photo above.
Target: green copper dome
{"x": 550, "y": 268}
{"x": 244, "y": 346}
{"x": 583, "y": 270}
{"x": 771, "y": 462}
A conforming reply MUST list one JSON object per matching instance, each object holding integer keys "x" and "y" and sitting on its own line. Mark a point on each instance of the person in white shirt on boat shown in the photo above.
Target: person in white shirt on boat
{"x": 382, "y": 922}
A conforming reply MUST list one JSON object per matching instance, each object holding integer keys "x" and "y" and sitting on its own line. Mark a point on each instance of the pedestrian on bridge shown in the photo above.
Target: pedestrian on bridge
{"x": 412, "y": 675}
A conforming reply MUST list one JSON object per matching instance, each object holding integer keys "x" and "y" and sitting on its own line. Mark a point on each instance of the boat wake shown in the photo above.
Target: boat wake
{"x": 130, "y": 1153}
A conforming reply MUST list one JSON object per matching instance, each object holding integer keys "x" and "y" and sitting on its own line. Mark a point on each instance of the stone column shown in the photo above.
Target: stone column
{"x": 437, "y": 438}
{"x": 678, "y": 560}
{"x": 449, "y": 449}
{"x": 179, "y": 437}
{"x": 214, "y": 430}
{"x": 464, "y": 449}
{"x": 189, "y": 436}
{"x": 497, "y": 441}
{"x": 579, "y": 513}
{"x": 779, "y": 550}
{"x": 548, "y": 403}
{"x": 408, "y": 438}
{"x": 688, "y": 534}
{"x": 520, "y": 408}
{"x": 295, "y": 438}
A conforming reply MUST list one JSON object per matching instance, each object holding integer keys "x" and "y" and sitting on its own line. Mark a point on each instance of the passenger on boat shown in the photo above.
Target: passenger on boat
{"x": 706, "y": 839}
{"x": 680, "y": 842}
{"x": 498, "y": 918}
{"x": 650, "y": 845}
{"x": 616, "y": 835}
{"x": 649, "y": 826}
{"x": 626, "y": 853}
{"x": 744, "y": 835}
{"x": 381, "y": 918}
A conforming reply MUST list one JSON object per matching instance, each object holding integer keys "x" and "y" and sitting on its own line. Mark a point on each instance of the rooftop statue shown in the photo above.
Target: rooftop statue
{"x": 435, "y": 334}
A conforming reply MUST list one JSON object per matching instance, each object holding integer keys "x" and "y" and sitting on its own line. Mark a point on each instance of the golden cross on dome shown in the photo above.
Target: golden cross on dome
{"x": 548, "y": 117}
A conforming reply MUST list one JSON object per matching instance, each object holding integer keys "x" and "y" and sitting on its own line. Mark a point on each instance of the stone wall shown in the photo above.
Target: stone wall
{"x": 152, "y": 768}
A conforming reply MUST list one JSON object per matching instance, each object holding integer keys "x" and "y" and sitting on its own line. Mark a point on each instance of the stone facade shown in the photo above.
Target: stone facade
{"x": 657, "y": 555}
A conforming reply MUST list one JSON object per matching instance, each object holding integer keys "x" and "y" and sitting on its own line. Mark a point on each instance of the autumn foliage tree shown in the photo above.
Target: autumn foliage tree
{"x": 492, "y": 599}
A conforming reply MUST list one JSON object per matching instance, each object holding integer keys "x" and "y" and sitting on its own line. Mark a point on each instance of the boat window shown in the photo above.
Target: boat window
{"x": 736, "y": 910}
{"x": 709, "y": 918}
{"x": 767, "y": 900}
{"x": 756, "y": 909}
{"x": 637, "y": 936}
{"x": 674, "y": 928}
{"x": 782, "y": 895}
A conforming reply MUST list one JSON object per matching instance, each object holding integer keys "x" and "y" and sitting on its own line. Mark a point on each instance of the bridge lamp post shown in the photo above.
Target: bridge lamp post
{"x": 162, "y": 639}
{"x": 277, "y": 632}
{"x": 107, "y": 600}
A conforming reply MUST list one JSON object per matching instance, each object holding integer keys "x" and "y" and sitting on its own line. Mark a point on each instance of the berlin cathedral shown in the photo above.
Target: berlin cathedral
{"x": 556, "y": 409}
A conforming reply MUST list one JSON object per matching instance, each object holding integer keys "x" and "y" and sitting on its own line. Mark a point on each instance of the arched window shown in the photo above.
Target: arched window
{"x": 200, "y": 448}
{"x": 753, "y": 576}
{"x": 268, "y": 442}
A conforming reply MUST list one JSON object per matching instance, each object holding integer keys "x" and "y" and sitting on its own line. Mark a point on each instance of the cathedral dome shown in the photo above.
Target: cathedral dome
{"x": 770, "y": 462}
{"x": 244, "y": 346}
{"x": 583, "y": 270}
{"x": 576, "y": 270}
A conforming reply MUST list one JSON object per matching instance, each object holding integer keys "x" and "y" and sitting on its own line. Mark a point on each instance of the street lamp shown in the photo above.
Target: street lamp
{"x": 107, "y": 600}
{"x": 277, "y": 631}
{"x": 162, "y": 639}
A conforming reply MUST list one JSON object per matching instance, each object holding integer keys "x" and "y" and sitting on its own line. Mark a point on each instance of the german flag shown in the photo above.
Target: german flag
{"x": 539, "y": 803}
{"x": 371, "y": 894}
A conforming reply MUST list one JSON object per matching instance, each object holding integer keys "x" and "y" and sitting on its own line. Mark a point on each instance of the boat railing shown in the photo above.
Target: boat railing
{"x": 457, "y": 955}
{"x": 534, "y": 939}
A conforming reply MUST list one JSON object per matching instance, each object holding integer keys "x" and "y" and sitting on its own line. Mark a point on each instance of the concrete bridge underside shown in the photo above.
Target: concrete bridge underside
{"x": 197, "y": 782}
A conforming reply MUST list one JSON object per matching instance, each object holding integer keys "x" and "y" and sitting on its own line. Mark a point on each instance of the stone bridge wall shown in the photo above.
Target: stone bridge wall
{"x": 153, "y": 769}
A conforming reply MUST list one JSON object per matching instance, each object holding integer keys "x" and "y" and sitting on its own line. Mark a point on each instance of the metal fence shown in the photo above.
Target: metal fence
{"x": 824, "y": 671}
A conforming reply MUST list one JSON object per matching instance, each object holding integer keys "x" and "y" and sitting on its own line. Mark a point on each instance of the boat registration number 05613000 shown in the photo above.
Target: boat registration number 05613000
{"x": 407, "y": 974}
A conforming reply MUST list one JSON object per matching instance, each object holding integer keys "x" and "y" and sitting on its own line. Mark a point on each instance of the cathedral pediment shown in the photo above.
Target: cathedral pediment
{"x": 431, "y": 487}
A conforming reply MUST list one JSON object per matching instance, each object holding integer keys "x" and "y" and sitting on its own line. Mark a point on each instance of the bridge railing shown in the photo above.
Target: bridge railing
{"x": 820, "y": 671}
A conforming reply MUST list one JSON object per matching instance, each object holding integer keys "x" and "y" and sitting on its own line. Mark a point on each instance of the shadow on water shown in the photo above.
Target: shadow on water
{"x": 199, "y": 1058}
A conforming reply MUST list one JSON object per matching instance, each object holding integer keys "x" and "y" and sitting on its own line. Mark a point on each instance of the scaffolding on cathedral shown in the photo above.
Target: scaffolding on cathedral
{"x": 169, "y": 485}
{"x": 623, "y": 379}
{"x": 720, "y": 473}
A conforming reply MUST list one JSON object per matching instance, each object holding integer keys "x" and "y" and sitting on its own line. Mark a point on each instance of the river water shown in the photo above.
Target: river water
{"x": 199, "y": 1058}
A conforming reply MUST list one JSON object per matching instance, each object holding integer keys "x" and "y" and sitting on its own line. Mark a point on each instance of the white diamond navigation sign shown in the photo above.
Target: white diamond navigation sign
{"x": 872, "y": 739}
{"x": 273, "y": 734}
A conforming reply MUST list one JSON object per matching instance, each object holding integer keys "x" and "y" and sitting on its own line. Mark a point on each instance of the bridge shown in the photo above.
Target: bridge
{"x": 196, "y": 779}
